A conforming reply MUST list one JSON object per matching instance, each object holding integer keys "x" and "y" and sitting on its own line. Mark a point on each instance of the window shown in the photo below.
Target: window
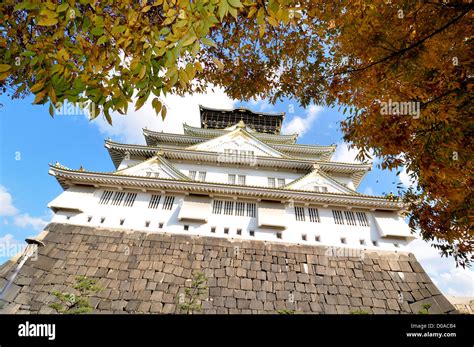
{"x": 299, "y": 213}
{"x": 375, "y": 243}
{"x": 217, "y": 207}
{"x": 321, "y": 189}
{"x": 102, "y": 219}
{"x": 279, "y": 235}
{"x": 213, "y": 230}
{"x": 240, "y": 208}
{"x": 230, "y": 151}
{"x": 186, "y": 227}
{"x": 281, "y": 182}
{"x": 271, "y": 182}
{"x": 317, "y": 238}
{"x": 242, "y": 179}
{"x": 106, "y": 195}
{"x": 226, "y": 230}
{"x": 343, "y": 240}
{"x": 89, "y": 218}
{"x": 251, "y": 209}
{"x": 154, "y": 201}
{"x": 362, "y": 218}
{"x": 160, "y": 225}
{"x": 118, "y": 197}
{"x": 362, "y": 242}
{"x": 152, "y": 174}
{"x": 304, "y": 237}
{"x": 147, "y": 224}
{"x": 350, "y": 217}
{"x": 231, "y": 179}
{"x": 252, "y": 233}
{"x": 338, "y": 219}
{"x": 168, "y": 203}
{"x": 239, "y": 231}
{"x": 192, "y": 175}
{"x": 228, "y": 207}
{"x": 202, "y": 176}
{"x": 313, "y": 215}
{"x": 130, "y": 199}
{"x": 396, "y": 245}
{"x": 122, "y": 221}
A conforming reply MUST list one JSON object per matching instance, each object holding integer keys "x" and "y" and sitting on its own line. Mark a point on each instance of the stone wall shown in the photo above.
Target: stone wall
{"x": 146, "y": 272}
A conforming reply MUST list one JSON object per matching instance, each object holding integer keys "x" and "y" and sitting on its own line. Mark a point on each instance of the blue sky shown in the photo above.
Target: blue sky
{"x": 30, "y": 139}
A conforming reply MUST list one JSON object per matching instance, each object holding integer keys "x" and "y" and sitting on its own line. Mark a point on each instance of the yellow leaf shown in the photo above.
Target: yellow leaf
{"x": 219, "y": 64}
{"x": 40, "y": 96}
{"x": 47, "y": 21}
{"x": 4, "y": 67}
{"x": 163, "y": 112}
{"x": 37, "y": 87}
{"x": 4, "y": 75}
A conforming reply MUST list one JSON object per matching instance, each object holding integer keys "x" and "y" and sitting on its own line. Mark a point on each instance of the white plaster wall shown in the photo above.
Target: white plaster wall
{"x": 254, "y": 177}
{"x": 136, "y": 216}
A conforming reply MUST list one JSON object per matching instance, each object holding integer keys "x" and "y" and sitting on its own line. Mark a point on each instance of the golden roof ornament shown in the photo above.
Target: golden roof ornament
{"x": 241, "y": 124}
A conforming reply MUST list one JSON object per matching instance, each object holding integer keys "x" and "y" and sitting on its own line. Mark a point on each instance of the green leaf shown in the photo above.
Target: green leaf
{"x": 189, "y": 40}
{"x": 102, "y": 39}
{"x": 223, "y": 9}
{"x": 28, "y": 53}
{"x": 118, "y": 29}
{"x": 20, "y": 6}
{"x": 235, "y": 3}
{"x": 62, "y": 7}
{"x": 97, "y": 31}
{"x": 208, "y": 42}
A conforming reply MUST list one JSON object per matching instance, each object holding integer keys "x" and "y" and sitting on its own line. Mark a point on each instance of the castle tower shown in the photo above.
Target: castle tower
{"x": 272, "y": 223}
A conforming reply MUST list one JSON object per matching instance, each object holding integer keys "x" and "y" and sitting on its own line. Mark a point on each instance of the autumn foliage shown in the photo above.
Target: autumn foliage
{"x": 402, "y": 69}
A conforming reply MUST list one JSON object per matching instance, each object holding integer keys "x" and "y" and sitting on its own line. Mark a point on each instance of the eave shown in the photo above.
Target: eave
{"x": 67, "y": 177}
{"x": 210, "y": 133}
{"x": 117, "y": 152}
{"x": 159, "y": 139}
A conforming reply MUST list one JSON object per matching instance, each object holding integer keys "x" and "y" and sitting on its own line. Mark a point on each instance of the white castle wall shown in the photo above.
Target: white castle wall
{"x": 135, "y": 218}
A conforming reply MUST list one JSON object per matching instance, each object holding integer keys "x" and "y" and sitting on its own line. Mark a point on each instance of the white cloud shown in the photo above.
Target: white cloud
{"x": 6, "y": 204}
{"x": 180, "y": 110}
{"x": 260, "y": 105}
{"x": 443, "y": 271}
{"x": 368, "y": 191}
{"x": 345, "y": 154}
{"x": 406, "y": 180}
{"x": 25, "y": 220}
{"x": 9, "y": 211}
{"x": 301, "y": 125}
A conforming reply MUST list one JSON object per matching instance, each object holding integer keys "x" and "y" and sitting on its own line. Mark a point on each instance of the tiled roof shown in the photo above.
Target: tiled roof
{"x": 145, "y": 273}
